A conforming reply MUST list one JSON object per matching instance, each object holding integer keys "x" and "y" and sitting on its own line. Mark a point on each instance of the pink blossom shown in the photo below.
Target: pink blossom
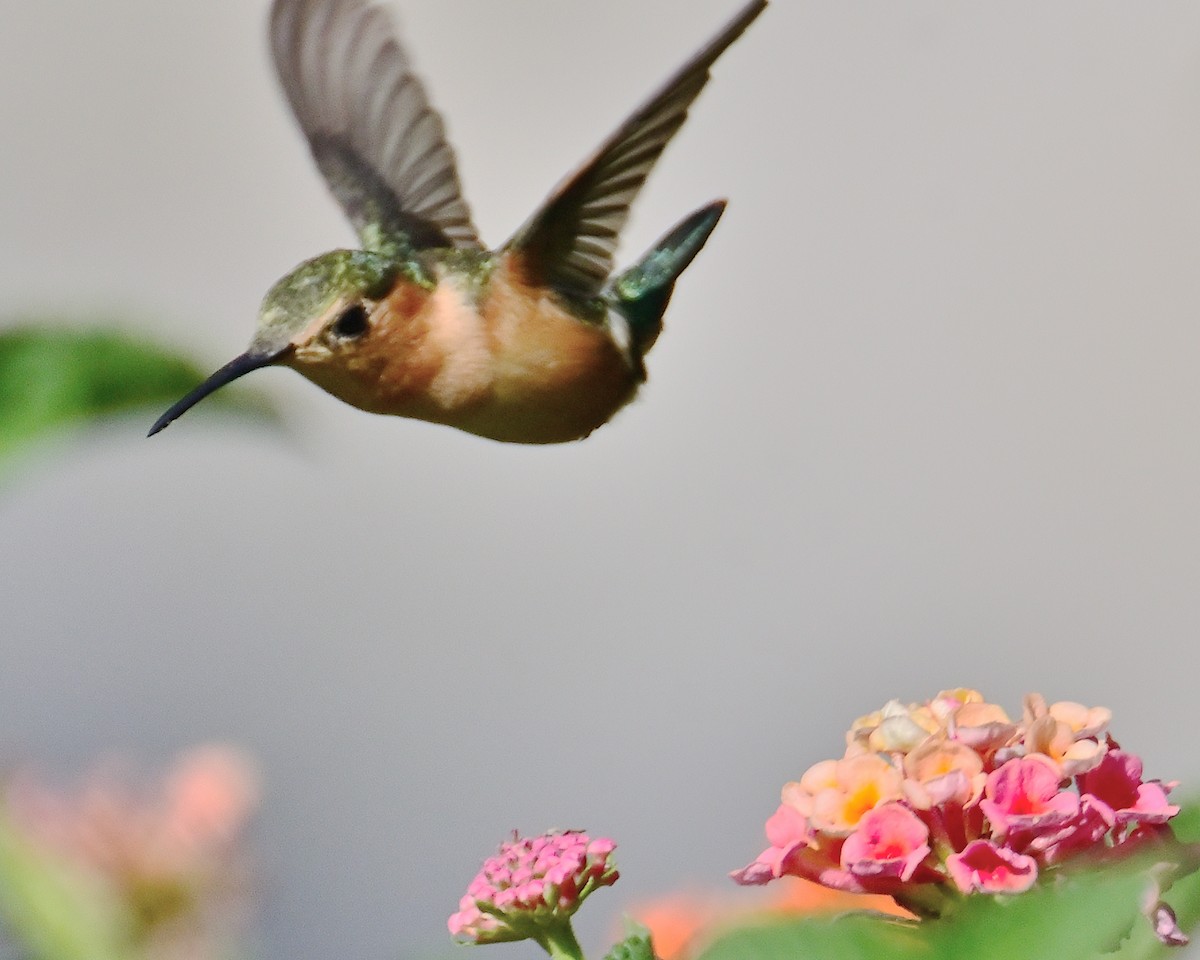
{"x": 1024, "y": 794}
{"x": 934, "y": 800}
{"x": 943, "y": 771}
{"x": 1068, "y": 733}
{"x": 787, "y": 832}
{"x": 787, "y": 828}
{"x": 532, "y": 885}
{"x": 986, "y": 868}
{"x": 890, "y": 841}
{"x": 1058, "y": 741}
{"x": 1116, "y": 782}
{"x": 1080, "y": 833}
{"x": 820, "y": 865}
{"x": 860, "y": 784}
{"x": 766, "y": 867}
{"x": 1083, "y": 721}
{"x": 1166, "y": 927}
{"x": 982, "y": 726}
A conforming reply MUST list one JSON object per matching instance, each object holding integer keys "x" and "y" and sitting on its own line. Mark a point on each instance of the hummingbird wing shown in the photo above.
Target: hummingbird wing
{"x": 569, "y": 243}
{"x": 379, "y": 144}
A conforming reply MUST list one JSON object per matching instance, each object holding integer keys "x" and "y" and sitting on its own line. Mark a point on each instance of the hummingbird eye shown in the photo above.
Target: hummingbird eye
{"x": 352, "y": 323}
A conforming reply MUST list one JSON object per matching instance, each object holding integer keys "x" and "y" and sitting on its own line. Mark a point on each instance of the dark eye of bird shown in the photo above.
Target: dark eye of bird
{"x": 352, "y": 323}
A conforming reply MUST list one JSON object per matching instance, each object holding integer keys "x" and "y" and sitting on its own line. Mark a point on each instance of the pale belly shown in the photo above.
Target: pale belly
{"x": 552, "y": 399}
{"x": 517, "y": 369}
{"x": 545, "y": 376}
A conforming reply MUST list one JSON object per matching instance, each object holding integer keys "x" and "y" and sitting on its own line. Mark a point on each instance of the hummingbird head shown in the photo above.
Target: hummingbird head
{"x": 312, "y": 316}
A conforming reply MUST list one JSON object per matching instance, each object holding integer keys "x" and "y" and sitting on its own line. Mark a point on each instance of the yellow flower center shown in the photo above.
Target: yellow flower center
{"x": 860, "y": 801}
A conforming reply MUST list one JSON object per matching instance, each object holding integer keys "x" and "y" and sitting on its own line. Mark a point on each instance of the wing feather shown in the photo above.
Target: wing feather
{"x": 569, "y": 242}
{"x": 377, "y": 140}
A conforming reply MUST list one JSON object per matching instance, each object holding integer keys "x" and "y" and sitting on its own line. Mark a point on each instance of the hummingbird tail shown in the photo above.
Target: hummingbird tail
{"x": 642, "y": 292}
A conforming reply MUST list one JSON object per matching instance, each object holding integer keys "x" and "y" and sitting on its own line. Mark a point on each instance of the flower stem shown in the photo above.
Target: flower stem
{"x": 559, "y": 941}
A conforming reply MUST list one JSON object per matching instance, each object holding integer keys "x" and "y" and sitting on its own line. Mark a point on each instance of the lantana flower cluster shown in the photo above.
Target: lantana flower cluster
{"x": 532, "y": 887}
{"x": 952, "y": 797}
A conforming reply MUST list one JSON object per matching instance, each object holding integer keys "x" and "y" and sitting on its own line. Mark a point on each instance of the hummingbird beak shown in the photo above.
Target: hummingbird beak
{"x": 238, "y": 367}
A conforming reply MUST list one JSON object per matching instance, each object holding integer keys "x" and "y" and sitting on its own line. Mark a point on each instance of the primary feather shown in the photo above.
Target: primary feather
{"x": 568, "y": 244}
{"x": 377, "y": 140}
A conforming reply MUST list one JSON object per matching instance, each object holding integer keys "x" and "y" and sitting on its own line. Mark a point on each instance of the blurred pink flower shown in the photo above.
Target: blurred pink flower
{"x": 168, "y": 851}
{"x": 210, "y": 794}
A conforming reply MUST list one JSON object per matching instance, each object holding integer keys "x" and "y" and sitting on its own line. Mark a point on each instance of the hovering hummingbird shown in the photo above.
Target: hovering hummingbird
{"x": 532, "y": 343}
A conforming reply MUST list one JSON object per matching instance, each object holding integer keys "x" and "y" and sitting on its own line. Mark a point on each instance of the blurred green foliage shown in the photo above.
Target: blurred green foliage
{"x": 52, "y": 912}
{"x": 52, "y": 378}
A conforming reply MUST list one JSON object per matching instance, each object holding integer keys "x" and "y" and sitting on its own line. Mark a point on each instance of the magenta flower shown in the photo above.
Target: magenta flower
{"x": 890, "y": 841}
{"x": 1116, "y": 783}
{"x": 787, "y": 832}
{"x": 1024, "y": 794}
{"x": 984, "y": 867}
{"x": 1082, "y": 832}
{"x": 530, "y": 889}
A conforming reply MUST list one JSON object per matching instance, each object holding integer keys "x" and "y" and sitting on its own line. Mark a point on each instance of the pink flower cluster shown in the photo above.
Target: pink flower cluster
{"x": 951, "y": 797}
{"x": 532, "y": 885}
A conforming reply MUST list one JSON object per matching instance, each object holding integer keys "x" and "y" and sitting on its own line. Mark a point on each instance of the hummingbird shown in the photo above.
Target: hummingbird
{"x": 535, "y": 342}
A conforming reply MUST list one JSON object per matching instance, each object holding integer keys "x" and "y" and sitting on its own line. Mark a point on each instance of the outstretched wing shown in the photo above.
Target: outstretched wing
{"x": 569, "y": 243}
{"x": 379, "y": 144}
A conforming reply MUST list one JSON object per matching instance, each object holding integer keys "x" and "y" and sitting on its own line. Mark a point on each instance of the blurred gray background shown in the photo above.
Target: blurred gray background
{"x": 925, "y": 415}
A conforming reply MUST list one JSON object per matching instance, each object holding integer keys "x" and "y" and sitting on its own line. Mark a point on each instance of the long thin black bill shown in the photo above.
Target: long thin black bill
{"x": 237, "y": 367}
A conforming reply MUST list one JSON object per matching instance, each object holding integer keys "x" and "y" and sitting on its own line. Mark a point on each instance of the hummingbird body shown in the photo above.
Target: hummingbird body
{"x": 483, "y": 352}
{"x": 532, "y": 343}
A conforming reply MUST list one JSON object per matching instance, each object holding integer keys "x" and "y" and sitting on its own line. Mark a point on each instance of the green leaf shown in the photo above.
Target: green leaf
{"x": 51, "y": 378}
{"x": 1183, "y": 894}
{"x": 1087, "y": 916}
{"x": 851, "y": 935}
{"x": 53, "y": 913}
{"x": 1186, "y": 824}
{"x": 636, "y": 945}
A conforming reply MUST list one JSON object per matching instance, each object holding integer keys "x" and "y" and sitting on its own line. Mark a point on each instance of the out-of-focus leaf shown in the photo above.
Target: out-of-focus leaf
{"x": 1183, "y": 895}
{"x": 635, "y": 946}
{"x": 1186, "y": 824}
{"x": 52, "y": 913}
{"x": 52, "y": 378}
{"x": 1092, "y": 914}
{"x": 848, "y": 937}
{"x": 1085, "y": 918}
